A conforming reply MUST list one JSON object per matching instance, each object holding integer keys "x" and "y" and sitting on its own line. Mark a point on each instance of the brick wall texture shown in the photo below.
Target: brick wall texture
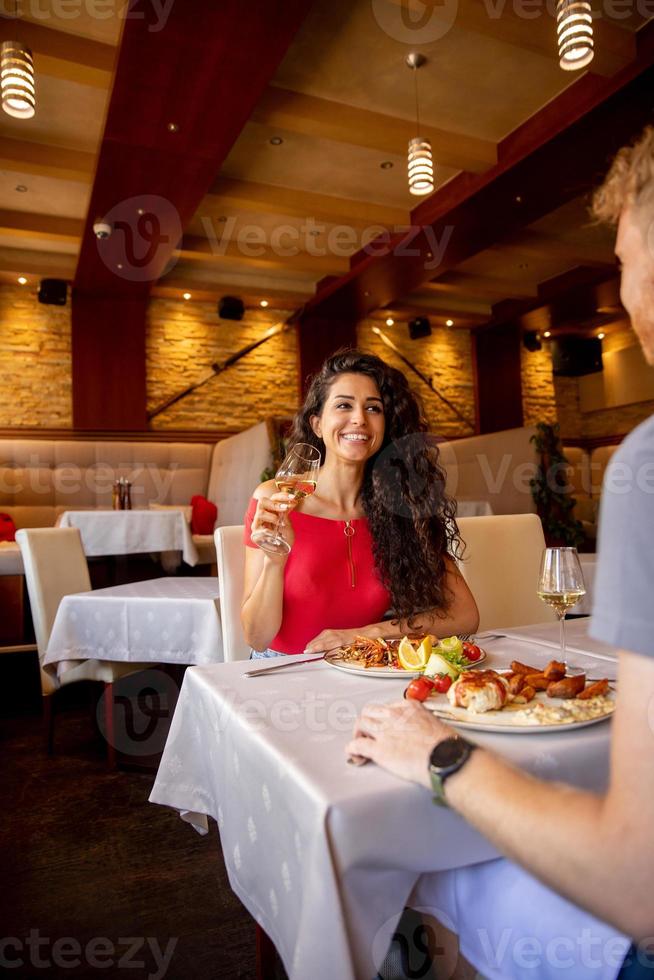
{"x": 445, "y": 357}
{"x": 35, "y": 361}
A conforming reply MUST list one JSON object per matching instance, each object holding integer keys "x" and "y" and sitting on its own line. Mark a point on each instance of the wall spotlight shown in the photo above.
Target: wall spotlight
{"x": 548, "y": 333}
{"x": 22, "y": 281}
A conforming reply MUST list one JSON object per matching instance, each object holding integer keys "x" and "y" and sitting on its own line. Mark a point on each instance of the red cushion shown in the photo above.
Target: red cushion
{"x": 203, "y": 516}
{"x": 7, "y": 528}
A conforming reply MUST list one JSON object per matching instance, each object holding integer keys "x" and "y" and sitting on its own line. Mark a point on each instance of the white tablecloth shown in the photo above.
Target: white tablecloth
{"x": 163, "y": 620}
{"x": 129, "y": 532}
{"x": 588, "y": 565}
{"x": 591, "y": 653}
{"x": 324, "y": 855}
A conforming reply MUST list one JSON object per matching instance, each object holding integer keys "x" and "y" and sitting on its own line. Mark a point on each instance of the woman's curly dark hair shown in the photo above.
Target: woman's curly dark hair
{"x": 411, "y": 518}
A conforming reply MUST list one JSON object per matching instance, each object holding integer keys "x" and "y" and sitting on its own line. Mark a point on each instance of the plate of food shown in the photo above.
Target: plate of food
{"x": 412, "y": 656}
{"x": 518, "y": 699}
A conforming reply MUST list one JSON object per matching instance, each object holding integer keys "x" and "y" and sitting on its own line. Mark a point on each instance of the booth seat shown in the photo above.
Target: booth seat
{"x": 495, "y": 468}
{"x": 585, "y": 473}
{"x": 40, "y": 479}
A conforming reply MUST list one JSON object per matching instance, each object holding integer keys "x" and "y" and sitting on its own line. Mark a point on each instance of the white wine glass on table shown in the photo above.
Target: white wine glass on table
{"x": 561, "y": 584}
{"x": 297, "y": 475}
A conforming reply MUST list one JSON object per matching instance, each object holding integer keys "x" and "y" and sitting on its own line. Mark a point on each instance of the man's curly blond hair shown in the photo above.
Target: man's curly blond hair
{"x": 629, "y": 182}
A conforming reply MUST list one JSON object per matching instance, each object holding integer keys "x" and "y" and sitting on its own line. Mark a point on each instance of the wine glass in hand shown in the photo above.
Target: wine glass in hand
{"x": 561, "y": 583}
{"x": 297, "y": 476}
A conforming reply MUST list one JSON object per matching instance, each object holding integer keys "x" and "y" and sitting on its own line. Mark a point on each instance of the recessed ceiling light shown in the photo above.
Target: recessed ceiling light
{"x": 518, "y": 199}
{"x": 173, "y": 127}
{"x": 186, "y": 295}
{"x": 276, "y": 140}
{"x": 449, "y": 323}
{"x": 390, "y": 321}
{"x": 601, "y": 336}
{"x": 22, "y": 280}
{"x": 548, "y": 333}
{"x": 21, "y": 188}
{"x": 264, "y": 303}
{"x": 386, "y": 165}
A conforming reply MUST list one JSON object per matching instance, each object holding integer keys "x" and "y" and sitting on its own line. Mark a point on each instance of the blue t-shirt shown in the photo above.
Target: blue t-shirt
{"x": 623, "y": 607}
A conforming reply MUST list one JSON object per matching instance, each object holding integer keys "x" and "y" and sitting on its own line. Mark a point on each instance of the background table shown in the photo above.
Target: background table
{"x": 324, "y": 855}
{"x": 130, "y": 532}
{"x": 163, "y": 620}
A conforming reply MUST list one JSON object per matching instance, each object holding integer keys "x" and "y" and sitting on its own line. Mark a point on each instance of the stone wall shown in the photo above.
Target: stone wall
{"x": 538, "y": 397}
{"x": 185, "y": 338}
{"x": 35, "y": 361}
{"x": 445, "y": 357}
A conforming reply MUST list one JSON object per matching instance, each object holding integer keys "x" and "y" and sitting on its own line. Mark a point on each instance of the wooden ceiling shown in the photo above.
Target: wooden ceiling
{"x": 297, "y": 185}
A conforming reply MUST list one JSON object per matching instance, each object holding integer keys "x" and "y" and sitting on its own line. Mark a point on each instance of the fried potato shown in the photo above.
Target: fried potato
{"x": 526, "y": 694}
{"x": 569, "y": 687}
{"x": 516, "y": 683}
{"x": 538, "y": 681}
{"x": 555, "y": 670}
{"x": 594, "y": 690}
{"x": 519, "y": 668}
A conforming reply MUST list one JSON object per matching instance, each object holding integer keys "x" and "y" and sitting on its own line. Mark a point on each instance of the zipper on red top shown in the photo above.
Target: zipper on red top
{"x": 348, "y": 531}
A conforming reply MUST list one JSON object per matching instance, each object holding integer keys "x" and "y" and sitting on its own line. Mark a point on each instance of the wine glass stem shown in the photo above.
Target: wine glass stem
{"x": 562, "y": 628}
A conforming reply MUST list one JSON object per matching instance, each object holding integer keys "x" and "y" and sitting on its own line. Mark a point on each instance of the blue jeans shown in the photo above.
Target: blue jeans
{"x": 264, "y": 654}
{"x": 638, "y": 965}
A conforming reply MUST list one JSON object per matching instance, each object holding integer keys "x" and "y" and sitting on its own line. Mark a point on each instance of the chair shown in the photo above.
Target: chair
{"x": 230, "y": 554}
{"x": 55, "y": 566}
{"x": 501, "y": 563}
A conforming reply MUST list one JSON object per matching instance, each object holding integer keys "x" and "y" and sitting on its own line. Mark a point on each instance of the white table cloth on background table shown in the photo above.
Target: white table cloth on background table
{"x": 163, "y": 620}
{"x": 588, "y": 566}
{"x": 324, "y": 855}
{"x": 129, "y": 532}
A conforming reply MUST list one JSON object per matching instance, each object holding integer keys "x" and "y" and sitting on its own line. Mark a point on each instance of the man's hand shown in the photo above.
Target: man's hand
{"x": 331, "y": 639}
{"x": 399, "y": 737}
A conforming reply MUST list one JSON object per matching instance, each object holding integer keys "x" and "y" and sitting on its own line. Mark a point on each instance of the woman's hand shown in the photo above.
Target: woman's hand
{"x": 399, "y": 737}
{"x": 330, "y": 639}
{"x": 268, "y": 513}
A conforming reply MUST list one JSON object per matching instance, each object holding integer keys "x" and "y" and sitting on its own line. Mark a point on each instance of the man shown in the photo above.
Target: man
{"x": 573, "y": 857}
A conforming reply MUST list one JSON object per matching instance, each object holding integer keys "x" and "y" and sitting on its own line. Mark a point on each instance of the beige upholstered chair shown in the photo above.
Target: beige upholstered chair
{"x": 230, "y": 553}
{"x": 55, "y": 566}
{"x": 501, "y": 563}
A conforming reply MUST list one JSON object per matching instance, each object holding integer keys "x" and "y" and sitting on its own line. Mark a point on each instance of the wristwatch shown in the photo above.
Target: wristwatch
{"x": 447, "y": 758}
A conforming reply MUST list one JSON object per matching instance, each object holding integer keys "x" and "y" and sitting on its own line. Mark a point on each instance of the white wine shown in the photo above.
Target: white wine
{"x": 298, "y": 486}
{"x": 562, "y": 601}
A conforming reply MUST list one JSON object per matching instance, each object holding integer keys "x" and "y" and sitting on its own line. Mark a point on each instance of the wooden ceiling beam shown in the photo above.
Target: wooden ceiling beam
{"x": 25, "y": 224}
{"x": 63, "y": 55}
{"x": 532, "y": 29}
{"x": 317, "y": 118}
{"x": 32, "y": 262}
{"x": 227, "y": 193}
{"x": 481, "y": 287}
{"x": 44, "y": 160}
{"x": 197, "y": 249}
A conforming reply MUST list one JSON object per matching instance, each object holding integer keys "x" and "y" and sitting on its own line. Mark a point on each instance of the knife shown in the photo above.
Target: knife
{"x": 294, "y": 663}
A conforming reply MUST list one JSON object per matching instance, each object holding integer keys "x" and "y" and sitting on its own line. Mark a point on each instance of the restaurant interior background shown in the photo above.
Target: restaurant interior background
{"x": 269, "y": 141}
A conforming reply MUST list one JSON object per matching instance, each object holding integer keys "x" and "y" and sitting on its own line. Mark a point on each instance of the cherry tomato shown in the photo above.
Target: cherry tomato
{"x": 442, "y": 683}
{"x": 471, "y": 652}
{"x": 419, "y": 689}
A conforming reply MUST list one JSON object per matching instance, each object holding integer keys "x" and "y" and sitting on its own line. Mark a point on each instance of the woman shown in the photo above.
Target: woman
{"x": 376, "y": 535}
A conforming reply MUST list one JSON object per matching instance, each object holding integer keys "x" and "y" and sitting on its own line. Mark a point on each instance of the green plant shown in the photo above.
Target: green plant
{"x": 550, "y": 489}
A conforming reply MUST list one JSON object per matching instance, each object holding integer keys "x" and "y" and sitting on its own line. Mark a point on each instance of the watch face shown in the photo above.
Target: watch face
{"x": 448, "y": 752}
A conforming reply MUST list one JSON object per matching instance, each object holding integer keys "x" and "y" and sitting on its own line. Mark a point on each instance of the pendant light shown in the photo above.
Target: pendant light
{"x": 574, "y": 28}
{"x": 17, "y": 88}
{"x": 420, "y": 161}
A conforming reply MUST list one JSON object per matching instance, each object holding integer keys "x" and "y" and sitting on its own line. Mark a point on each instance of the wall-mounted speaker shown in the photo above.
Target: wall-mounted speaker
{"x": 531, "y": 341}
{"x": 419, "y": 327}
{"x": 573, "y": 356}
{"x": 53, "y": 292}
{"x": 231, "y": 308}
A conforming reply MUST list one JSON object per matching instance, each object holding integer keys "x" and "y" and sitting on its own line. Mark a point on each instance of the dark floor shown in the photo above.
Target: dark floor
{"x": 86, "y": 857}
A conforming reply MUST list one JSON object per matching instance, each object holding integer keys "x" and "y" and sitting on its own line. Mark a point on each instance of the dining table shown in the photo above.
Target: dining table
{"x": 323, "y": 854}
{"x": 107, "y": 532}
{"x": 162, "y": 620}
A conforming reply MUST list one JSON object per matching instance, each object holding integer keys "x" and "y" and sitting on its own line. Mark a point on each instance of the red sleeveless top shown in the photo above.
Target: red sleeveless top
{"x": 330, "y": 580}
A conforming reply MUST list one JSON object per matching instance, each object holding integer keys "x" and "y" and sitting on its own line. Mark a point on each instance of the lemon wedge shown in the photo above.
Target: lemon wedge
{"x": 409, "y": 657}
{"x": 451, "y": 644}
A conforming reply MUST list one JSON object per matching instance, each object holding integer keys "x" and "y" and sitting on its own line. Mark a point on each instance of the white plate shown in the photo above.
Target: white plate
{"x": 334, "y": 659}
{"x": 502, "y": 721}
